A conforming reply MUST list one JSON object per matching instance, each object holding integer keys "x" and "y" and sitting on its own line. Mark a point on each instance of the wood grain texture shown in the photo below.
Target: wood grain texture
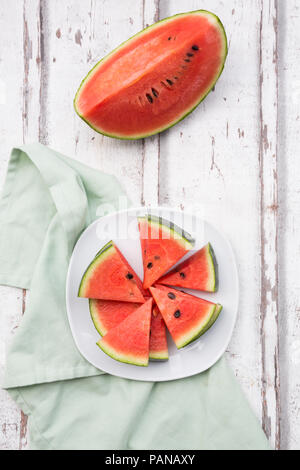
{"x": 209, "y": 163}
{"x": 289, "y": 217}
{"x": 268, "y": 102}
{"x": 234, "y": 161}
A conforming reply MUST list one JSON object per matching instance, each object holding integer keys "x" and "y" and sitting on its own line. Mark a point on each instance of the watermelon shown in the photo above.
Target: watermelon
{"x": 106, "y": 314}
{"x": 187, "y": 317}
{"x": 154, "y": 79}
{"x": 129, "y": 341}
{"x": 158, "y": 349}
{"x": 199, "y": 271}
{"x": 110, "y": 277}
{"x": 214, "y": 318}
{"x": 162, "y": 244}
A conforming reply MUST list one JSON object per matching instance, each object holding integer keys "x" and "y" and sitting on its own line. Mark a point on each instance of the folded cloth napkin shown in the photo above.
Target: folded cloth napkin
{"x": 48, "y": 199}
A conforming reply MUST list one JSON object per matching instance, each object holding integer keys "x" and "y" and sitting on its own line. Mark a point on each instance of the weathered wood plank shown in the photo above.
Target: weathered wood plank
{"x": 209, "y": 163}
{"x": 289, "y": 221}
{"x": 268, "y": 101}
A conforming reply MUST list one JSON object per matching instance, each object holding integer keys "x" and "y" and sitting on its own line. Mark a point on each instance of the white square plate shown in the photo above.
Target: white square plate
{"x": 123, "y": 229}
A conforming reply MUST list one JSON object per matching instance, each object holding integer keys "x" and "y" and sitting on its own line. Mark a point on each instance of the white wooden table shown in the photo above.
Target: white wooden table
{"x": 235, "y": 160}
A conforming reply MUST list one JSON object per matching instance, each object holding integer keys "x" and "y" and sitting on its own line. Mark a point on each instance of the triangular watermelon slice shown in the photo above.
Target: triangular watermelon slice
{"x": 187, "y": 317}
{"x": 129, "y": 341}
{"x": 162, "y": 244}
{"x": 110, "y": 277}
{"x": 158, "y": 350}
{"x": 199, "y": 271}
{"x": 106, "y": 314}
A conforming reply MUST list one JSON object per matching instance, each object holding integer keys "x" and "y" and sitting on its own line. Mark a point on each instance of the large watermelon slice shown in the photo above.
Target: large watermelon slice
{"x": 158, "y": 350}
{"x": 187, "y": 317}
{"x": 162, "y": 244}
{"x": 199, "y": 271}
{"x": 129, "y": 341}
{"x": 106, "y": 314}
{"x": 110, "y": 277}
{"x": 156, "y": 78}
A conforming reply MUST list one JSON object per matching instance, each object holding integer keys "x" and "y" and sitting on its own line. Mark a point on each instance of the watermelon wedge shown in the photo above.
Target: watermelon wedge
{"x": 106, "y": 314}
{"x": 214, "y": 318}
{"x": 199, "y": 271}
{"x": 156, "y": 78}
{"x": 129, "y": 341}
{"x": 158, "y": 350}
{"x": 110, "y": 277}
{"x": 187, "y": 317}
{"x": 162, "y": 244}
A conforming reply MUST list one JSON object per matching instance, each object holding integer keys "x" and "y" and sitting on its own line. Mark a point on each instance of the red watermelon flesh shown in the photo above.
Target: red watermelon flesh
{"x": 129, "y": 341}
{"x": 199, "y": 271}
{"x": 186, "y": 316}
{"x": 106, "y": 314}
{"x": 155, "y": 78}
{"x": 158, "y": 338}
{"x": 162, "y": 244}
{"x": 110, "y": 277}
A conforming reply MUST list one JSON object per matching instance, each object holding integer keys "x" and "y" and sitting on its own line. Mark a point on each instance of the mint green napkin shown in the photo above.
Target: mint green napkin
{"x": 48, "y": 199}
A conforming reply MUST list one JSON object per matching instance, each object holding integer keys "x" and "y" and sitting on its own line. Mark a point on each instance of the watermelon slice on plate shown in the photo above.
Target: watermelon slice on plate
{"x": 199, "y": 271}
{"x": 156, "y": 78}
{"x": 110, "y": 277}
{"x": 187, "y": 317}
{"x": 158, "y": 350}
{"x": 162, "y": 244}
{"x": 129, "y": 341}
{"x": 106, "y": 314}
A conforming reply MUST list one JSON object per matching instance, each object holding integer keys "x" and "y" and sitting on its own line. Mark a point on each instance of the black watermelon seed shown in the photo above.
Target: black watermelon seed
{"x": 155, "y": 92}
{"x": 169, "y": 82}
{"x": 187, "y": 60}
{"x": 169, "y": 38}
{"x": 190, "y": 54}
{"x": 175, "y": 78}
{"x": 195, "y": 47}
{"x": 177, "y": 314}
{"x": 182, "y": 275}
{"x": 149, "y": 98}
{"x": 129, "y": 276}
{"x": 149, "y": 265}
{"x": 156, "y": 257}
{"x": 171, "y": 295}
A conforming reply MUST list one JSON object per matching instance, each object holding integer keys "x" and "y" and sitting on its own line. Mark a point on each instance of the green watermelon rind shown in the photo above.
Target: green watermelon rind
{"x": 159, "y": 356}
{"x": 122, "y": 357}
{"x": 197, "y": 332}
{"x": 89, "y": 270}
{"x": 213, "y": 269}
{"x": 214, "y": 318}
{"x": 96, "y": 322}
{"x": 202, "y": 98}
{"x": 189, "y": 242}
